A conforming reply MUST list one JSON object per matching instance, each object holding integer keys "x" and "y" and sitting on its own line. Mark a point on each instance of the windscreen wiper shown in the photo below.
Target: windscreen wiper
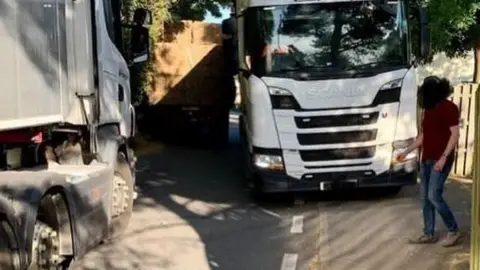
{"x": 306, "y": 67}
{"x": 374, "y": 65}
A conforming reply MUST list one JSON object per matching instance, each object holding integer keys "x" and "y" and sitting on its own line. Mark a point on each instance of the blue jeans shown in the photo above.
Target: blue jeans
{"x": 432, "y": 183}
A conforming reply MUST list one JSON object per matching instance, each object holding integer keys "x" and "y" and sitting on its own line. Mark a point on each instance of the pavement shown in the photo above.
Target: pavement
{"x": 194, "y": 213}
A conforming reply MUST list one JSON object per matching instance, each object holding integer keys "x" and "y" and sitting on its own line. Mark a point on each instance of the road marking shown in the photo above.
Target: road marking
{"x": 289, "y": 261}
{"x": 297, "y": 224}
{"x": 269, "y": 212}
{"x": 324, "y": 237}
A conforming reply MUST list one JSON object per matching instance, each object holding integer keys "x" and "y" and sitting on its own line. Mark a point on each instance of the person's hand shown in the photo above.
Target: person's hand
{"x": 401, "y": 157}
{"x": 438, "y": 167}
{"x": 283, "y": 50}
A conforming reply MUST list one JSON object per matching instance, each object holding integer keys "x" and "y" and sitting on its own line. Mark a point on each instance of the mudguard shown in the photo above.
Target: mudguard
{"x": 20, "y": 196}
{"x": 6, "y": 215}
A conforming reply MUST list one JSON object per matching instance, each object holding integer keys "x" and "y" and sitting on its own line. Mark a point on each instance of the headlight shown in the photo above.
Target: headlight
{"x": 411, "y": 156}
{"x": 269, "y": 162}
{"x": 409, "y": 164}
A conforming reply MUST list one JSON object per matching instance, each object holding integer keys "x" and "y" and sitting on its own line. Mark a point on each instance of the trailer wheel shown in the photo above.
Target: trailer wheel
{"x": 9, "y": 256}
{"x": 123, "y": 196}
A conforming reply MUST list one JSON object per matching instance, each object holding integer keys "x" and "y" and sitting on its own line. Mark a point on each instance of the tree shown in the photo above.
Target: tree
{"x": 455, "y": 26}
{"x": 196, "y": 10}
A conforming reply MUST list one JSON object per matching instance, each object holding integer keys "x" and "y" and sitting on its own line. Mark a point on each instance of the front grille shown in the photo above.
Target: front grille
{"x": 337, "y": 120}
{"x": 337, "y": 137}
{"x": 337, "y": 154}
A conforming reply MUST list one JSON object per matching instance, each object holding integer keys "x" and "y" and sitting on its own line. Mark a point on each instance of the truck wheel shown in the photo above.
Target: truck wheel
{"x": 46, "y": 235}
{"x": 45, "y": 248}
{"x": 9, "y": 257}
{"x": 123, "y": 196}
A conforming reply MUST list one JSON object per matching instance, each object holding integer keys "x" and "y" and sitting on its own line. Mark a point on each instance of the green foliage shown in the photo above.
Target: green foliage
{"x": 453, "y": 25}
{"x": 196, "y": 10}
{"x": 143, "y": 76}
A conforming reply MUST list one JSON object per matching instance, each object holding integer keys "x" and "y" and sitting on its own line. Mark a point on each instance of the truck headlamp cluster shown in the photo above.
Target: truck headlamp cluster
{"x": 268, "y": 162}
{"x": 409, "y": 163}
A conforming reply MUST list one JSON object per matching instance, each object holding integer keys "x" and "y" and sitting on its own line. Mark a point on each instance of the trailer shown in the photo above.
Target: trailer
{"x": 194, "y": 88}
{"x": 67, "y": 171}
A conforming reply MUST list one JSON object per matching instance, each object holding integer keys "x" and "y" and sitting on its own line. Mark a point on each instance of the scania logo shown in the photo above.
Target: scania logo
{"x": 335, "y": 92}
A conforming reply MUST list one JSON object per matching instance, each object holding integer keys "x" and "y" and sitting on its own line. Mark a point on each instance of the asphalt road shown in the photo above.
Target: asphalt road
{"x": 193, "y": 213}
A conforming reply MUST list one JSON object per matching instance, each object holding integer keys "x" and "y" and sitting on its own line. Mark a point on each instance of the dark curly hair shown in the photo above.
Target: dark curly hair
{"x": 433, "y": 91}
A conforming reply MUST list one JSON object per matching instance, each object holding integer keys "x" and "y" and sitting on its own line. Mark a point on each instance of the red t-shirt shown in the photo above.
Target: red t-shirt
{"x": 436, "y": 129}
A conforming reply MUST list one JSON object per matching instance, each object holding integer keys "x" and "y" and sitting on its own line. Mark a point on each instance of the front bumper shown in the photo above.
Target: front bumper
{"x": 280, "y": 182}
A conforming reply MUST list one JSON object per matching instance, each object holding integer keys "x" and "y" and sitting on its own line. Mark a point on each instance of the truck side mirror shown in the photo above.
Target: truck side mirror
{"x": 140, "y": 42}
{"x": 425, "y": 42}
{"x": 229, "y": 35}
{"x": 142, "y": 16}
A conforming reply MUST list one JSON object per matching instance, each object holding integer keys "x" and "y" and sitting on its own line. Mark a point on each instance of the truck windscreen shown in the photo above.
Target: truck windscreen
{"x": 341, "y": 38}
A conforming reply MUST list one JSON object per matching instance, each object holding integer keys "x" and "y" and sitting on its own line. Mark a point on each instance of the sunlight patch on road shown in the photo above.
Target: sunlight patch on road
{"x": 199, "y": 207}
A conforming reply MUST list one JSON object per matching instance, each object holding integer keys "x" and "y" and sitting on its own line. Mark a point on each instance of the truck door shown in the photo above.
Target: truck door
{"x": 115, "y": 93}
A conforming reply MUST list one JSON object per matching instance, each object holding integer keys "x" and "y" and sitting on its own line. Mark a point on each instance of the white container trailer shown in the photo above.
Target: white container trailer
{"x": 47, "y": 59}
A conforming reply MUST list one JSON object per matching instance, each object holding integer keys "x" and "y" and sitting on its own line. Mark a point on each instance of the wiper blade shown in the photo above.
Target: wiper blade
{"x": 306, "y": 67}
{"x": 374, "y": 65}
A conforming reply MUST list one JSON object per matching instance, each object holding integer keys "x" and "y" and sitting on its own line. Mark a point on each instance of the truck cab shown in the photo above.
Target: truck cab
{"x": 329, "y": 94}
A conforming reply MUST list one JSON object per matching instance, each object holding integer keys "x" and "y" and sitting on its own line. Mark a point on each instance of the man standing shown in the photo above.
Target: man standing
{"x": 438, "y": 138}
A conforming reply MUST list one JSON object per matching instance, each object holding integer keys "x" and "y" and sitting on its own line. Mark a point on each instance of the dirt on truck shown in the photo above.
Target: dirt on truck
{"x": 194, "y": 90}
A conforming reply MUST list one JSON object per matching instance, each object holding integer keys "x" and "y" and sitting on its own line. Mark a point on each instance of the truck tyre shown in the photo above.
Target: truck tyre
{"x": 123, "y": 194}
{"x": 46, "y": 239}
{"x": 9, "y": 256}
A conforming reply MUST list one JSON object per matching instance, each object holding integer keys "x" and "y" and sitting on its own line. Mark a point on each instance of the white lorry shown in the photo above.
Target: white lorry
{"x": 67, "y": 172}
{"x": 329, "y": 93}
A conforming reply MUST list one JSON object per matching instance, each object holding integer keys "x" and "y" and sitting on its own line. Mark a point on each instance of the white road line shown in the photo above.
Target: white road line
{"x": 289, "y": 261}
{"x": 297, "y": 224}
{"x": 324, "y": 237}
{"x": 269, "y": 212}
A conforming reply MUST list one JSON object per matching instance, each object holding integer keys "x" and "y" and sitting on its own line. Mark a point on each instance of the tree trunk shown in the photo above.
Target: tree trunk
{"x": 476, "y": 72}
{"x": 476, "y": 49}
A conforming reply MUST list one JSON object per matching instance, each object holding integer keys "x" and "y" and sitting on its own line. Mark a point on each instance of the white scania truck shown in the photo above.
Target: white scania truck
{"x": 329, "y": 93}
{"x": 67, "y": 172}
